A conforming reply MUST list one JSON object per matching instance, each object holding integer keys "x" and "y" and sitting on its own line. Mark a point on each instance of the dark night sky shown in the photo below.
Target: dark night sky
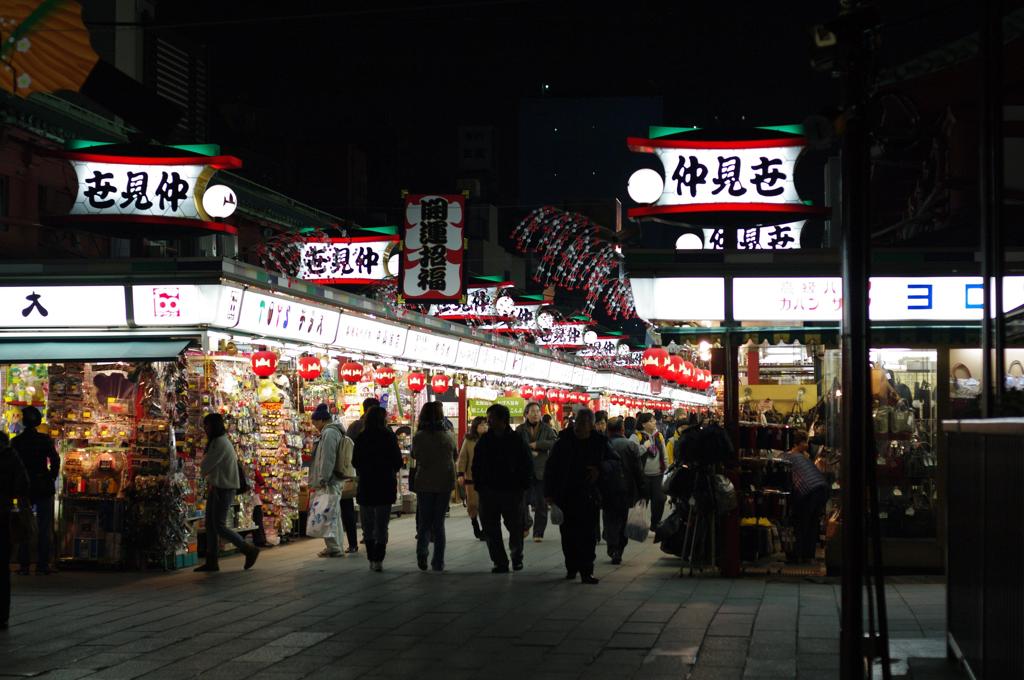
{"x": 397, "y": 78}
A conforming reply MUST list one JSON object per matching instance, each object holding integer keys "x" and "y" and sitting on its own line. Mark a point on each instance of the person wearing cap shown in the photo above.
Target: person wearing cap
{"x": 42, "y": 463}
{"x": 327, "y": 472}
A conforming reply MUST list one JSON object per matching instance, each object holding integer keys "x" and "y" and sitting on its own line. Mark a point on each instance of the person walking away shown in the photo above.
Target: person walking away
{"x": 377, "y": 459}
{"x": 652, "y": 445}
{"x": 571, "y": 481}
{"x": 502, "y": 472}
{"x": 220, "y": 468}
{"x": 624, "y": 487}
{"x": 356, "y": 428}
{"x": 539, "y": 439}
{"x": 14, "y": 487}
{"x": 433, "y": 449}
{"x": 464, "y": 468}
{"x": 41, "y": 461}
{"x": 810, "y": 494}
{"x": 324, "y": 477}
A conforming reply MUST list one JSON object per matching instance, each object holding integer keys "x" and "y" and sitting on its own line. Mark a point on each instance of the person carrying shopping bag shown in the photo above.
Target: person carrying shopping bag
{"x": 325, "y": 482}
{"x": 433, "y": 449}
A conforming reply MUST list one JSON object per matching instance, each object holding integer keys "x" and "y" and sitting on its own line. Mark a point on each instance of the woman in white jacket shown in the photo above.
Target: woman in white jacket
{"x": 220, "y": 467}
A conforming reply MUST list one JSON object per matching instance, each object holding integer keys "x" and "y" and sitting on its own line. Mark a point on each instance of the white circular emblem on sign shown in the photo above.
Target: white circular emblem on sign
{"x": 505, "y": 305}
{"x": 219, "y": 201}
{"x": 645, "y": 186}
{"x": 590, "y": 337}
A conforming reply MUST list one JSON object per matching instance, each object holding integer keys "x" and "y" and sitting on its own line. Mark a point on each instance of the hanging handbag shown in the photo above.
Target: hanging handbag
{"x": 725, "y": 494}
{"x": 832, "y": 524}
{"x": 964, "y": 386}
{"x": 882, "y": 418}
{"x": 902, "y": 420}
{"x": 1015, "y": 381}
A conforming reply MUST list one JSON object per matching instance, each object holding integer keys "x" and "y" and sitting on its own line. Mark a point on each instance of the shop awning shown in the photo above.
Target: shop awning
{"x": 28, "y": 351}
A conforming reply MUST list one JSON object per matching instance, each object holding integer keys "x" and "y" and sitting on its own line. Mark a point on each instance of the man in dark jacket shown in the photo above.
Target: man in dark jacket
{"x": 43, "y": 465}
{"x": 502, "y": 472}
{"x": 13, "y": 487}
{"x": 539, "y": 437}
{"x": 624, "y": 487}
{"x": 356, "y": 428}
{"x": 571, "y": 481}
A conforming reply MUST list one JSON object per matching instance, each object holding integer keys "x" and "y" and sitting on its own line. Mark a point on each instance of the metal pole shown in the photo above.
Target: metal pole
{"x": 990, "y": 193}
{"x": 857, "y": 424}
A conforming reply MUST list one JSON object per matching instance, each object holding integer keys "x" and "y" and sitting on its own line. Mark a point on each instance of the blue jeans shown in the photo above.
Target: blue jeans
{"x": 375, "y": 520}
{"x": 44, "y": 515}
{"x": 218, "y": 503}
{"x": 432, "y": 508}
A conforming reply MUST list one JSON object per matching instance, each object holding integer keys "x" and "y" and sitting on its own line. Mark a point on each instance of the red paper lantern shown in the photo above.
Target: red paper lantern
{"x": 526, "y": 391}
{"x": 654, "y": 361}
{"x": 539, "y": 393}
{"x": 384, "y": 376}
{"x": 583, "y": 398}
{"x": 555, "y": 395}
{"x": 263, "y": 363}
{"x": 440, "y": 383}
{"x": 309, "y": 368}
{"x": 674, "y": 369}
{"x": 689, "y": 375}
{"x": 351, "y": 372}
{"x": 416, "y": 381}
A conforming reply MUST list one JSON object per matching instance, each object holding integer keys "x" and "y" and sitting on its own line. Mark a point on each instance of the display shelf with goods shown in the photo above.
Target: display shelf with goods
{"x": 112, "y": 425}
{"x": 263, "y": 426}
{"x": 778, "y": 393}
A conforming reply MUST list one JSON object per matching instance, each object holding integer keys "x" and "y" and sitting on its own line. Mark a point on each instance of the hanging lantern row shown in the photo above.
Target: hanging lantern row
{"x": 440, "y": 383}
{"x": 554, "y": 395}
{"x": 658, "y": 363}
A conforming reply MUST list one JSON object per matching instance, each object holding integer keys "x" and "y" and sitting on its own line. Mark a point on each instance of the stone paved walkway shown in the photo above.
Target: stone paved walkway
{"x": 297, "y": 616}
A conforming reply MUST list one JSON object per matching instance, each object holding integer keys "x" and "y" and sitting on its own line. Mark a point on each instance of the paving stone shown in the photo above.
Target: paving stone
{"x": 702, "y": 672}
{"x": 770, "y": 668}
{"x": 733, "y": 658}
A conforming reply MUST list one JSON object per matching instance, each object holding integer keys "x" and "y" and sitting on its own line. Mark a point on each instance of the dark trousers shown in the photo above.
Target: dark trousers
{"x": 5, "y": 559}
{"x": 496, "y": 506}
{"x": 44, "y": 516}
{"x": 431, "y": 509}
{"x": 535, "y": 499}
{"x": 348, "y": 521}
{"x": 808, "y": 510}
{"x": 615, "y": 529}
{"x": 579, "y": 544}
{"x": 218, "y": 504}
{"x": 654, "y": 493}
{"x": 260, "y": 535}
{"x": 375, "y": 519}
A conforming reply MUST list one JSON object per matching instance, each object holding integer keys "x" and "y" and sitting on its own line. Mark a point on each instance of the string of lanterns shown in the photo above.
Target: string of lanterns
{"x": 658, "y": 363}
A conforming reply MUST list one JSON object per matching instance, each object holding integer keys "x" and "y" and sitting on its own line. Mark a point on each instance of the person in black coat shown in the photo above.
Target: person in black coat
{"x": 502, "y": 472}
{"x": 622, "y": 486}
{"x": 13, "y": 487}
{"x": 571, "y": 481}
{"x": 377, "y": 460}
{"x": 42, "y": 462}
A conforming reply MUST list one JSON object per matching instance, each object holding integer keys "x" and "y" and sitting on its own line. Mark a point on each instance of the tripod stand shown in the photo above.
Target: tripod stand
{"x": 699, "y": 540}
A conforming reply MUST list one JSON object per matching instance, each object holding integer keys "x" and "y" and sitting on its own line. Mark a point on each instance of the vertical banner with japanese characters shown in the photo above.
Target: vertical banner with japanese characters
{"x": 433, "y": 249}
{"x": 359, "y": 260}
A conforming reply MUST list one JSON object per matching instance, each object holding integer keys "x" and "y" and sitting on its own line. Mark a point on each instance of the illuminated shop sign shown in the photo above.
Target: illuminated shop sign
{"x": 433, "y": 248}
{"x": 481, "y": 303}
{"x": 360, "y": 260}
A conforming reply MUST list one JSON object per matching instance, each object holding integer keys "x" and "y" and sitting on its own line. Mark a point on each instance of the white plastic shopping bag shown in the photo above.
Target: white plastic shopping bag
{"x": 324, "y": 515}
{"x": 638, "y": 523}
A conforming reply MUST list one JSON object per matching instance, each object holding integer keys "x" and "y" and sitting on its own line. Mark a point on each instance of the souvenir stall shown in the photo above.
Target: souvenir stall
{"x": 119, "y": 498}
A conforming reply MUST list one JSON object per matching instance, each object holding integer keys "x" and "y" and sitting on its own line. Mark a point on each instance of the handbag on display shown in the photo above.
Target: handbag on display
{"x": 901, "y": 420}
{"x": 832, "y": 524}
{"x": 964, "y": 385}
{"x": 1015, "y": 380}
{"x": 725, "y": 494}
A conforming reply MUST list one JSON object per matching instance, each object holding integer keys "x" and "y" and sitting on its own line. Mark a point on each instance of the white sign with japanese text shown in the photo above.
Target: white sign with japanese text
{"x": 522, "y": 320}
{"x": 63, "y": 307}
{"x": 287, "y": 318}
{"x": 479, "y": 305}
{"x": 359, "y": 260}
{"x": 536, "y": 368}
{"x": 431, "y": 348}
{"x": 432, "y": 248}
{"x": 602, "y": 347}
{"x": 564, "y": 335}
{"x": 468, "y": 355}
{"x": 560, "y": 373}
{"x": 137, "y": 190}
{"x": 367, "y": 335}
{"x": 514, "y": 365}
{"x": 776, "y": 237}
{"x": 492, "y": 360}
